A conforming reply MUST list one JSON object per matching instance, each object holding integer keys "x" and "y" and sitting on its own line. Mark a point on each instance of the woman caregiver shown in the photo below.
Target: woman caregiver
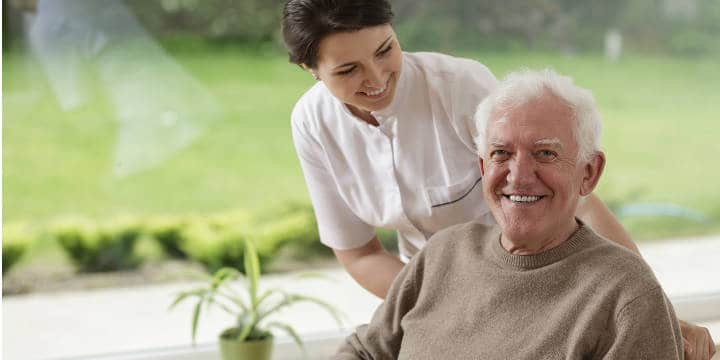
{"x": 385, "y": 138}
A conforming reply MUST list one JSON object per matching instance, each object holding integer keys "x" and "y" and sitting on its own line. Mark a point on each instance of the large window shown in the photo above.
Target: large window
{"x": 143, "y": 142}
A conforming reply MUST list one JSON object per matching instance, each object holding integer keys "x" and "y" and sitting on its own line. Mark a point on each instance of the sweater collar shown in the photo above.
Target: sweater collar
{"x": 529, "y": 262}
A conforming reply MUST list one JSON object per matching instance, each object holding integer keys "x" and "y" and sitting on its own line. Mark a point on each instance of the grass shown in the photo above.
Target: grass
{"x": 659, "y": 113}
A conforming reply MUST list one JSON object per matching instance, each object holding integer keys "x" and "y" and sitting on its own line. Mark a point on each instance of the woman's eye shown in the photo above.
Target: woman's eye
{"x": 385, "y": 51}
{"x": 346, "y": 72}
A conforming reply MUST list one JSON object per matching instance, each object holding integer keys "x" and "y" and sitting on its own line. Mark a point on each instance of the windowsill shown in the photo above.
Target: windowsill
{"x": 320, "y": 346}
{"x": 134, "y": 323}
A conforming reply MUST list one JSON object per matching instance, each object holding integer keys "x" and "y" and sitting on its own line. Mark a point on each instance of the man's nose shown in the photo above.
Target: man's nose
{"x": 522, "y": 170}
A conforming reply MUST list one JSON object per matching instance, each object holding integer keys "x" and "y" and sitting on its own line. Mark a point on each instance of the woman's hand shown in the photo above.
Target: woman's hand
{"x": 697, "y": 342}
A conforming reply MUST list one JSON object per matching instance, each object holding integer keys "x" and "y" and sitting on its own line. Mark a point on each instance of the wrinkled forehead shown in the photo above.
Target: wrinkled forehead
{"x": 542, "y": 121}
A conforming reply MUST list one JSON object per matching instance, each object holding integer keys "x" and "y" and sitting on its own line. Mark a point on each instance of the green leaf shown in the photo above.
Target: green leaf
{"x": 195, "y": 319}
{"x": 252, "y": 270}
{"x": 226, "y": 308}
{"x": 269, "y": 293}
{"x": 185, "y": 294}
{"x": 248, "y": 326}
{"x": 335, "y": 313}
{"x": 235, "y": 299}
{"x": 293, "y": 334}
{"x": 224, "y": 274}
{"x": 295, "y": 298}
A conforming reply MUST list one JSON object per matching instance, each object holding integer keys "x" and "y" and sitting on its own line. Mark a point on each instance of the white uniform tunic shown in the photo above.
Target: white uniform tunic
{"x": 417, "y": 172}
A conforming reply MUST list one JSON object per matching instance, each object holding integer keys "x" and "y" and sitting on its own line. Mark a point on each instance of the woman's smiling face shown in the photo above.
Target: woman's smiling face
{"x": 361, "y": 68}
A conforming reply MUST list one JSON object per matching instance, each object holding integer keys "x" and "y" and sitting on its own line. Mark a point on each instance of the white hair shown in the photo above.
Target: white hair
{"x": 521, "y": 87}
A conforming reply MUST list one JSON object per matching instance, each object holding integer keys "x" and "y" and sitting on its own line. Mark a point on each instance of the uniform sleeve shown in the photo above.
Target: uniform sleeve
{"x": 382, "y": 337}
{"x": 473, "y": 82}
{"x": 338, "y": 226}
{"x": 646, "y": 328}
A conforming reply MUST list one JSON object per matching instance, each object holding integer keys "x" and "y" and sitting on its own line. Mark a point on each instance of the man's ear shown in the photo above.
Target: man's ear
{"x": 592, "y": 172}
{"x": 481, "y": 162}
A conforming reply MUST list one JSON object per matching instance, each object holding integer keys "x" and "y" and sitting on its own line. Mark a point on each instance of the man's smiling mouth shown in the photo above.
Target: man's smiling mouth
{"x": 526, "y": 199}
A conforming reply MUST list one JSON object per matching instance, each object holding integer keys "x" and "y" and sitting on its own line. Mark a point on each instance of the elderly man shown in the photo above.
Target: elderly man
{"x": 540, "y": 285}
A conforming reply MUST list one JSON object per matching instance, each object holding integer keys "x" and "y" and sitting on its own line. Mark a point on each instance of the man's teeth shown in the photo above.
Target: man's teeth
{"x": 524, "y": 198}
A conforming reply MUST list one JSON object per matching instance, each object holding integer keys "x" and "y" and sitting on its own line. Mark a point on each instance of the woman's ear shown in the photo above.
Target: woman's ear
{"x": 312, "y": 71}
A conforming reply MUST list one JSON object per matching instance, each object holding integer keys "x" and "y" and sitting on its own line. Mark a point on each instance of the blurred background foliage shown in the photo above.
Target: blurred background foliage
{"x": 240, "y": 178}
{"x": 684, "y": 27}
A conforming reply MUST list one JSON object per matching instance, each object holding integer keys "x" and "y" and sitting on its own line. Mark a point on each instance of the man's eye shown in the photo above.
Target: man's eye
{"x": 499, "y": 154}
{"x": 547, "y": 154}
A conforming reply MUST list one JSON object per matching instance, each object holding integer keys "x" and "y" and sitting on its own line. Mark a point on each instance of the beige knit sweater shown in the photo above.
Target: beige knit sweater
{"x": 465, "y": 297}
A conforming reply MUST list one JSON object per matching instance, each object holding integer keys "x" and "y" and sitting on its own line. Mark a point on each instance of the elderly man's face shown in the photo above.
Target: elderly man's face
{"x": 532, "y": 178}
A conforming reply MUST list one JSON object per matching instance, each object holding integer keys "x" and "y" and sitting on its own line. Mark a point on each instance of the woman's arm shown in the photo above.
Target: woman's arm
{"x": 371, "y": 266}
{"x": 594, "y": 213}
{"x": 383, "y": 336}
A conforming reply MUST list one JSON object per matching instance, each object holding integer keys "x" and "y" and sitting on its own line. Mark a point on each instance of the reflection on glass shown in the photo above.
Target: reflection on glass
{"x": 159, "y": 107}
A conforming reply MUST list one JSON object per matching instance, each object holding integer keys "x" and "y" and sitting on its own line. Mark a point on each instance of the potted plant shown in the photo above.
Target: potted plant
{"x": 250, "y": 337}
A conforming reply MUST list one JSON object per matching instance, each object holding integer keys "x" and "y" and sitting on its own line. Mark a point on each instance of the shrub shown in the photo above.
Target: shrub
{"x": 219, "y": 241}
{"x": 211, "y": 246}
{"x": 294, "y": 227}
{"x": 169, "y": 232}
{"x": 101, "y": 247}
{"x": 388, "y": 238}
{"x": 16, "y": 239}
{"x": 215, "y": 241}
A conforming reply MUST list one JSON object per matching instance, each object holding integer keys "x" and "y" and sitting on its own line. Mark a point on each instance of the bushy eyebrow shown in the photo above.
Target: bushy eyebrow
{"x": 554, "y": 142}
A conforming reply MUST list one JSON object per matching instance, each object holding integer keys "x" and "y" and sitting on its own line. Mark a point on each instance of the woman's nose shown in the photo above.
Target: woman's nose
{"x": 373, "y": 77}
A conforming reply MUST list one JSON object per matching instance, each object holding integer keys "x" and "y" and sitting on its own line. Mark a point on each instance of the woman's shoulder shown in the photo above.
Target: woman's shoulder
{"x": 438, "y": 63}
{"x": 459, "y": 81}
{"x": 312, "y": 104}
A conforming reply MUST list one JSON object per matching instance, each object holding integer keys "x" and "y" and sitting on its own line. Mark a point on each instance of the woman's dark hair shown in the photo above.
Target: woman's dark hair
{"x": 306, "y": 22}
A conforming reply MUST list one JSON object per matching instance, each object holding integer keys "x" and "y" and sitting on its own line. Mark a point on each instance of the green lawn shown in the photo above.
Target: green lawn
{"x": 660, "y": 114}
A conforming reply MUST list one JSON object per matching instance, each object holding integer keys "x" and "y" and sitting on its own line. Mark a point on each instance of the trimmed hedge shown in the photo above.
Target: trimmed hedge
{"x": 107, "y": 246}
{"x": 170, "y": 234}
{"x": 294, "y": 227}
{"x": 16, "y": 239}
{"x": 215, "y": 240}
{"x": 219, "y": 240}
